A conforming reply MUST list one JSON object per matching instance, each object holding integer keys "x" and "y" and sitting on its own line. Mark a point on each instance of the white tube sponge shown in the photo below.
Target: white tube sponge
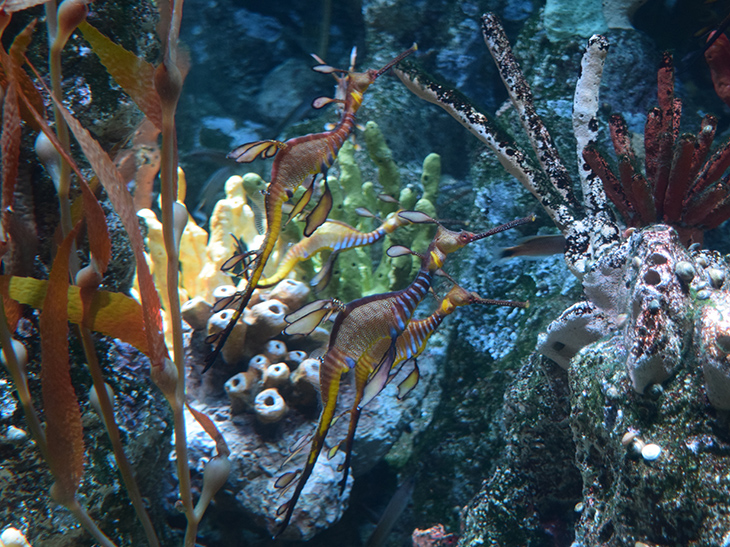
{"x": 276, "y": 375}
{"x": 265, "y": 319}
{"x": 12, "y": 537}
{"x": 305, "y": 380}
{"x": 291, "y": 292}
{"x": 275, "y": 350}
{"x": 196, "y": 312}
{"x": 269, "y": 406}
{"x": 242, "y": 389}
{"x": 233, "y": 350}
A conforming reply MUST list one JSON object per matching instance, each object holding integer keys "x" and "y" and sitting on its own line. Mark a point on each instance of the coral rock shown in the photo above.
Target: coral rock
{"x": 581, "y": 324}
{"x": 712, "y": 336}
{"x": 659, "y": 303}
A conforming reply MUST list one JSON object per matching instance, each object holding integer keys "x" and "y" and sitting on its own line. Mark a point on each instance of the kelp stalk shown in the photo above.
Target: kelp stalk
{"x": 89, "y": 282}
{"x": 112, "y": 429}
{"x": 20, "y": 383}
{"x": 61, "y": 22}
{"x": 168, "y": 83}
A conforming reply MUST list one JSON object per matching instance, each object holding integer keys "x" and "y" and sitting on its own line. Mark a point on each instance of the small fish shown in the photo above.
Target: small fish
{"x": 392, "y": 513}
{"x": 536, "y": 246}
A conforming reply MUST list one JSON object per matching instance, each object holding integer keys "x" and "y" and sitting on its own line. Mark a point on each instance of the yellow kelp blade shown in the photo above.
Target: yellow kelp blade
{"x": 110, "y": 313}
{"x": 132, "y": 73}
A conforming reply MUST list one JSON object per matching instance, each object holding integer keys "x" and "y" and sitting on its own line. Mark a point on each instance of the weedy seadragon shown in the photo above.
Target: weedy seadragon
{"x": 336, "y": 236}
{"x": 297, "y": 161}
{"x": 371, "y": 327}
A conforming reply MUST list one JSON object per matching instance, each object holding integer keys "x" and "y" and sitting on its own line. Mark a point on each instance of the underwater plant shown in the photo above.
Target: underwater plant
{"x": 155, "y": 89}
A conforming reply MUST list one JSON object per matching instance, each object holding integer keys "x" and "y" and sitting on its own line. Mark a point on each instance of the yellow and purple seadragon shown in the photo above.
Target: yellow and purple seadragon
{"x": 409, "y": 346}
{"x": 336, "y": 236}
{"x": 296, "y": 163}
{"x": 364, "y": 325}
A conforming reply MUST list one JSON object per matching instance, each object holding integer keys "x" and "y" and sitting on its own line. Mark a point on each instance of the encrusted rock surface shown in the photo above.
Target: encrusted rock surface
{"x": 260, "y": 452}
{"x": 646, "y": 440}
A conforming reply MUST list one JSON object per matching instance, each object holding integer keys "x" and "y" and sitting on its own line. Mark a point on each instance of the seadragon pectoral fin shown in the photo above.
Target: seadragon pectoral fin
{"x": 240, "y": 263}
{"x": 250, "y": 151}
{"x": 303, "y": 201}
{"x": 321, "y": 102}
{"x": 318, "y": 215}
{"x": 308, "y": 317}
{"x": 227, "y": 302}
{"x": 409, "y": 383}
{"x": 416, "y": 217}
{"x": 307, "y": 324}
{"x": 285, "y": 481}
{"x": 332, "y": 452}
{"x": 324, "y": 275}
{"x": 380, "y": 375}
